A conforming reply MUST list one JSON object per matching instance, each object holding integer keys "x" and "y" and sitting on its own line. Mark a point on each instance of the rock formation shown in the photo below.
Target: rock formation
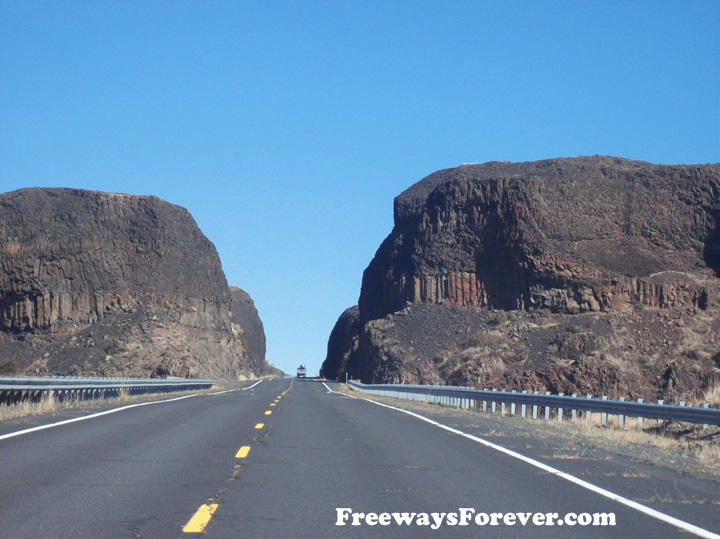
{"x": 577, "y": 241}
{"x": 343, "y": 344}
{"x": 247, "y": 325}
{"x": 110, "y": 284}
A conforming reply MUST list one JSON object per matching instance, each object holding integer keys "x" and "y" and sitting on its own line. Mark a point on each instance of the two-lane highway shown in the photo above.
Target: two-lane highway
{"x": 285, "y": 458}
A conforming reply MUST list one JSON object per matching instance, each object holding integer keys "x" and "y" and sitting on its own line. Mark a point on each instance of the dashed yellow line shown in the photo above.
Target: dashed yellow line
{"x": 288, "y": 389}
{"x": 200, "y": 519}
{"x": 202, "y": 516}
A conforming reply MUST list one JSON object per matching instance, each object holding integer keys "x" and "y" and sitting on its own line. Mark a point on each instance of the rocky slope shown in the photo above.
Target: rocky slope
{"x": 108, "y": 284}
{"x": 589, "y": 274}
{"x": 248, "y": 327}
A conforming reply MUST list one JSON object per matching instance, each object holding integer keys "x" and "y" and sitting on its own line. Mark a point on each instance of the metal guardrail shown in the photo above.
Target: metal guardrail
{"x": 15, "y": 390}
{"x": 563, "y": 405}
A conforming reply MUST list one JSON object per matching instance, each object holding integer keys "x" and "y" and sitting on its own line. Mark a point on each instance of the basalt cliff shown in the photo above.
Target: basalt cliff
{"x": 107, "y": 284}
{"x": 591, "y": 275}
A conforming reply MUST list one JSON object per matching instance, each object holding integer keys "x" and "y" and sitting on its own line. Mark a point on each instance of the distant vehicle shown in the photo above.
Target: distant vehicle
{"x": 301, "y": 371}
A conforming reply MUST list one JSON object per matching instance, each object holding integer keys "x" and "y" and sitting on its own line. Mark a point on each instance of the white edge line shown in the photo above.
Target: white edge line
{"x": 252, "y": 386}
{"x": 106, "y": 412}
{"x": 332, "y": 391}
{"x": 589, "y": 486}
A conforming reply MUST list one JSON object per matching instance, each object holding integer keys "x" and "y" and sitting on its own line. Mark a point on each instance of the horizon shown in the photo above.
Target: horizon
{"x": 287, "y": 129}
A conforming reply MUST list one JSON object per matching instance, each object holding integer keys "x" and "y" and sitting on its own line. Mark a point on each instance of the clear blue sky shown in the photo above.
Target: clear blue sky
{"x": 286, "y": 128}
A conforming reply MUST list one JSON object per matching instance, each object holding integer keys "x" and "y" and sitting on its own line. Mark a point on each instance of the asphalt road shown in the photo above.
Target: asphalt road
{"x": 279, "y": 460}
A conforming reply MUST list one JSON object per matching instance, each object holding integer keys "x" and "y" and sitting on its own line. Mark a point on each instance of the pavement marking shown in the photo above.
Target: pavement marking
{"x": 344, "y": 394}
{"x": 701, "y": 532}
{"x": 223, "y": 392}
{"x": 268, "y": 412}
{"x": 259, "y": 425}
{"x": 91, "y": 416}
{"x": 252, "y": 386}
{"x": 272, "y": 404}
{"x": 243, "y": 452}
{"x": 200, "y": 519}
{"x": 288, "y": 389}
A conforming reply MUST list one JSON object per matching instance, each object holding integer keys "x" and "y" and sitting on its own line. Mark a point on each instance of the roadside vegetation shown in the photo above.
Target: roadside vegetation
{"x": 51, "y": 405}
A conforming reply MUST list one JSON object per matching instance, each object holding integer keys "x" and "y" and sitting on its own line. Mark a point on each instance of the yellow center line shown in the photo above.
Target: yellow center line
{"x": 259, "y": 425}
{"x": 200, "y": 519}
{"x": 243, "y": 452}
{"x": 272, "y": 404}
{"x": 268, "y": 412}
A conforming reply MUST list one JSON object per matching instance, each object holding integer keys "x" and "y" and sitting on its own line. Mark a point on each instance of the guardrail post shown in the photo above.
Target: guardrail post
{"x": 484, "y": 406}
{"x": 621, "y": 417}
{"x": 587, "y": 412}
{"x": 660, "y": 401}
{"x": 603, "y": 415}
{"x": 502, "y": 405}
{"x": 512, "y": 405}
{"x": 640, "y": 419}
{"x": 523, "y": 407}
{"x": 560, "y": 410}
{"x": 547, "y": 408}
{"x": 682, "y": 403}
{"x": 573, "y": 412}
{"x": 705, "y": 405}
{"x": 535, "y": 407}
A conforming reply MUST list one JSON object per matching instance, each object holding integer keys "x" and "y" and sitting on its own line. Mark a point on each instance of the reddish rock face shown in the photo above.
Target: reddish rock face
{"x": 580, "y": 240}
{"x": 571, "y": 235}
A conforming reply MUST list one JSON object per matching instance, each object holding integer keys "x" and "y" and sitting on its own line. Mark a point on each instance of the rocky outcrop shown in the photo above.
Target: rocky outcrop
{"x": 248, "y": 327}
{"x": 571, "y": 237}
{"x": 100, "y": 283}
{"x": 342, "y": 345}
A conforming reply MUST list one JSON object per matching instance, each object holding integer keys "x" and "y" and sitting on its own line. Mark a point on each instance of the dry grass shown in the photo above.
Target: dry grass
{"x": 49, "y": 405}
{"x": 709, "y": 455}
{"x": 44, "y": 406}
{"x": 630, "y": 433}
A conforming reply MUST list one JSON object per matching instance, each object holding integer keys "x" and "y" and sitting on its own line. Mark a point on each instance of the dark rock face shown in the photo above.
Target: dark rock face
{"x": 342, "y": 344}
{"x": 248, "y": 327}
{"x": 100, "y": 283}
{"x": 572, "y": 235}
{"x": 596, "y": 236}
